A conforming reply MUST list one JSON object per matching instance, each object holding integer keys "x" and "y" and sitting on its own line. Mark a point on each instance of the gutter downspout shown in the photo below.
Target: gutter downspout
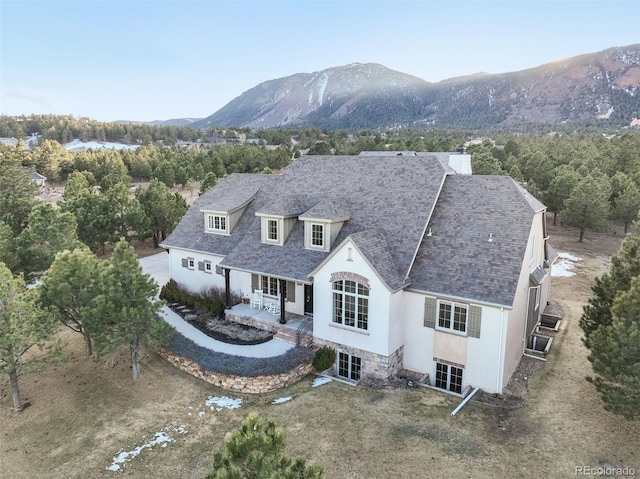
{"x": 500, "y": 354}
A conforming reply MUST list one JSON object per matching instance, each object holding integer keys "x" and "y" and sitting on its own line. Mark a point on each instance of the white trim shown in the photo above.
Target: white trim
{"x": 451, "y": 329}
{"x": 424, "y": 231}
{"x": 348, "y": 239}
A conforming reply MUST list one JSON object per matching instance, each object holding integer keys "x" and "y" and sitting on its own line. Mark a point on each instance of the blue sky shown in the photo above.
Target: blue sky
{"x": 149, "y": 60}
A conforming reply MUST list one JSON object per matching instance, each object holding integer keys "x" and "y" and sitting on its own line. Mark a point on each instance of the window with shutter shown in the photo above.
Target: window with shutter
{"x": 200, "y": 265}
{"x": 291, "y": 292}
{"x": 475, "y": 317}
{"x": 430, "y": 312}
{"x": 185, "y": 263}
{"x": 255, "y": 282}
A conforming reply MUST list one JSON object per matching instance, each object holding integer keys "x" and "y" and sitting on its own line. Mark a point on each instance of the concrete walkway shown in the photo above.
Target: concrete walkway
{"x": 157, "y": 266}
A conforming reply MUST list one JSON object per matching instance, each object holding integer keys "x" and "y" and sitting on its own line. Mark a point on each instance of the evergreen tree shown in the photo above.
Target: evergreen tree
{"x": 49, "y": 232}
{"x": 69, "y": 291}
{"x": 18, "y": 191}
{"x": 624, "y": 267}
{"x": 255, "y": 450}
{"x": 8, "y": 254}
{"x": 615, "y": 355}
{"x": 163, "y": 208}
{"x": 208, "y": 182}
{"x": 126, "y": 309}
{"x": 587, "y": 207}
{"x": 23, "y": 326}
{"x": 130, "y": 220}
{"x": 561, "y": 187}
{"x": 627, "y": 205}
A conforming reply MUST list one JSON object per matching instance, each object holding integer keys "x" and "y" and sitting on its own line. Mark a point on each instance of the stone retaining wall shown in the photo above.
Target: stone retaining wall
{"x": 249, "y": 385}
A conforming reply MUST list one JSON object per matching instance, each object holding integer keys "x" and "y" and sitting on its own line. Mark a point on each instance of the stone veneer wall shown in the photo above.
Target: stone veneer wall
{"x": 374, "y": 366}
{"x": 250, "y": 385}
{"x": 248, "y": 321}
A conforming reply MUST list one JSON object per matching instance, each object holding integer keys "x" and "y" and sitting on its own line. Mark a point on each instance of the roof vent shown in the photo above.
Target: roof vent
{"x": 490, "y": 237}
{"x": 430, "y": 233}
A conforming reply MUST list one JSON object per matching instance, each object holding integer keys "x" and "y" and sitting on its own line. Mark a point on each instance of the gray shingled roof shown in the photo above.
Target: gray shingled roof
{"x": 285, "y": 206}
{"x": 228, "y": 194}
{"x": 458, "y": 259}
{"x": 374, "y": 247}
{"x": 393, "y": 195}
{"x": 331, "y": 210}
{"x": 389, "y": 200}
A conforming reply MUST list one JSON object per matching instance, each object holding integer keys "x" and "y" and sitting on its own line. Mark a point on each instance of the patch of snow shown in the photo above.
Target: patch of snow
{"x": 98, "y": 145}
{"x": 563, "y": 267}
{"x": 222, "y": 402}
{"x": 200, "y": 413}
{"x": 160, "y": 438}
{"x": 281, "y": 400}
{"x": 181, "y": 429}
{"x": 320, "y": 381}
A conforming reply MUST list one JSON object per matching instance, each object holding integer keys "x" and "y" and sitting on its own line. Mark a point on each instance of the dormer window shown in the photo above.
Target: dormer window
{"x": 317, "y": 235}
{"x": 217, "y": 223}
{"x": 272, "y": 230}
{"x": 322, "y": 224}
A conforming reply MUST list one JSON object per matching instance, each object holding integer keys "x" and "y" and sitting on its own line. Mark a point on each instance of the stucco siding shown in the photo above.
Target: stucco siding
{"x": 376, "y": 338}
{"x": 194, "y": 279}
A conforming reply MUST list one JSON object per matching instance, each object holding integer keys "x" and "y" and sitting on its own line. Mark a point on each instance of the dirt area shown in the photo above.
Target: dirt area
{"x": 84, "y": 414}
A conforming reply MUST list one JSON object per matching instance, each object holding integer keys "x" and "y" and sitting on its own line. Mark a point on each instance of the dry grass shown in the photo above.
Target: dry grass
{"x": 83, "y": 415}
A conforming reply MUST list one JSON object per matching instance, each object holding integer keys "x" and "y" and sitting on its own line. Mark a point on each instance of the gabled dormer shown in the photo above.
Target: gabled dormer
{"x": 278, "y": 219}
{"x": 322, "y": 223}
{"x": 221, "y": 219}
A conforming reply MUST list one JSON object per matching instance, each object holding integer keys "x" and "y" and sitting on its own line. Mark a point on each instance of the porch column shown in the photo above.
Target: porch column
{"x": 227, "y": 289}
{"x": 283, "y": 286}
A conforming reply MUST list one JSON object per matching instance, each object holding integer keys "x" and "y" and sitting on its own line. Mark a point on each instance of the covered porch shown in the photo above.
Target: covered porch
{"x": 297, "y": 329}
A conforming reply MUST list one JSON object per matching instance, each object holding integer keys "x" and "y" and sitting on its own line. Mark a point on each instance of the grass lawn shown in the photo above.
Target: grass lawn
{"x": 84, "y": 414}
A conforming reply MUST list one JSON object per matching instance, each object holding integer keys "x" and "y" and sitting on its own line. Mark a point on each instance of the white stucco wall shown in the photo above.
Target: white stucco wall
{"x": 480, "y": 356}
{"x": 376, "y": 338}
{"x": 533, "y": 257}
{"x": 194, "y": 279}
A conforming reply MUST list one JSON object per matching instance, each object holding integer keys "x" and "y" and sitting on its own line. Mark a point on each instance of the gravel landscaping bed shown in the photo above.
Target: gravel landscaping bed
{"x": 239, "y": 365}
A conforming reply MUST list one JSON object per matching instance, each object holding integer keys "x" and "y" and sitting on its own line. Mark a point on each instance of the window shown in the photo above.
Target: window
{"x": 272, "y": 230}
{"x": 449, "y": 378}
{"x": 452, "y": 317}
{"x": 349, "y": 366}
{"x": 207, "y": 266}
{"x": 191, "y": 263}
{"x": 351, "y": 304}
{"x": 217, "y": 223}
{"x": 270, "y": 286}
{"x": 317, "y": 235}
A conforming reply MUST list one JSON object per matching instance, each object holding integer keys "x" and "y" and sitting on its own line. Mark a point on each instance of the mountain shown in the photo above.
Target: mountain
{"x": 172, "y": 122}
{"x": 601, "y": 86}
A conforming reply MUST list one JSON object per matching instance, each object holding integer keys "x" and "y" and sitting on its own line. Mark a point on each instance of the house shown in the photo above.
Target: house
{"x": 38, "y": 179}
{"x": 404, "y": 261}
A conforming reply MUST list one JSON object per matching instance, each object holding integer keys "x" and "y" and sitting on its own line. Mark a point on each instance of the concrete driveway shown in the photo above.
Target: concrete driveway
{"x": 157, "y": 266}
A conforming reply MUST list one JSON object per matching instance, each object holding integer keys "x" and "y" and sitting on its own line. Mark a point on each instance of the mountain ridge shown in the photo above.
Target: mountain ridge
{"x": 592, "y": 86}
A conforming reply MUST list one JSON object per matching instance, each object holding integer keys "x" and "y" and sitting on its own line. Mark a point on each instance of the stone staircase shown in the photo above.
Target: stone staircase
{"x": 301, "y": 336}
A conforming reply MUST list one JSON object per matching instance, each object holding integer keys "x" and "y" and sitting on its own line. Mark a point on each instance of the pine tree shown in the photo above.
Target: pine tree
{"x": 255, "y": 450}
{"x": 615, "y": 355}
{"x": 624, "y": 267}
{"x": 587, "y": 207}
{"x": 69, "y": 291}
{"x": 23, "y": 326}
{"x": 126, "y": 309}
{"x": 49, "y": 232}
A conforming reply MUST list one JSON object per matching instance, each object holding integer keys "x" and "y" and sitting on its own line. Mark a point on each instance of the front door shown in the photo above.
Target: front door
{"x": 308, "y": 299}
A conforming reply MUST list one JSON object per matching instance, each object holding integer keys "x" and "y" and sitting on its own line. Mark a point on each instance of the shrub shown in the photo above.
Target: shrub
{"x": 325, "y": 358}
